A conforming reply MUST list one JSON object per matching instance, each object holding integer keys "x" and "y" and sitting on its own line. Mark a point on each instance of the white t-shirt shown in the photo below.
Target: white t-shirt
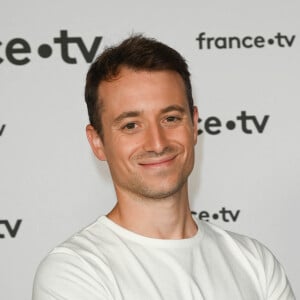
{"x": 106, "y": 261}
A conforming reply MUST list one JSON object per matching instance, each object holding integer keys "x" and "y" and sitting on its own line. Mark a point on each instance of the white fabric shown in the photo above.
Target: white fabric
{"x": 106, "y": 261}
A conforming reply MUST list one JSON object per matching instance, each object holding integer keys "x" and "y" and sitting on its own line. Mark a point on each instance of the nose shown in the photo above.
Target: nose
{"x": 155, "y": 139}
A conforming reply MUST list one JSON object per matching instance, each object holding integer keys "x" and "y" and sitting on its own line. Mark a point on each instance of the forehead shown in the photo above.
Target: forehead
{"x": 136, "y": 88}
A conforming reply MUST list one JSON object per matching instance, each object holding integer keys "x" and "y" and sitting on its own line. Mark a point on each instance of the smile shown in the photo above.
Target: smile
{"x": 158, "y": 163}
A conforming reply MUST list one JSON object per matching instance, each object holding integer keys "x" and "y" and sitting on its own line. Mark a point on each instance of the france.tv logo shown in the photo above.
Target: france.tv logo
{"x": 18, "y": 50}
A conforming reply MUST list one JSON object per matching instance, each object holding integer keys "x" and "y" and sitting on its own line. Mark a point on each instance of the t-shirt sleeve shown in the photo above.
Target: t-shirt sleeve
{"x": 278, "y": 286}
{"x": 65, "y": 276}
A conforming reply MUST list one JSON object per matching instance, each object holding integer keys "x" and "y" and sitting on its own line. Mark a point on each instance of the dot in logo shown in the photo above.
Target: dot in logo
{"x": 44, "y": 50}
{"x": 230, "y": 125}
{"x": 270, "y": 41}
{"x": 215, "y": 216}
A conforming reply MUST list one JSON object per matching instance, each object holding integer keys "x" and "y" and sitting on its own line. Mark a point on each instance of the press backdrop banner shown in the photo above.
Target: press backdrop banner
{"x": 245, "y": 63}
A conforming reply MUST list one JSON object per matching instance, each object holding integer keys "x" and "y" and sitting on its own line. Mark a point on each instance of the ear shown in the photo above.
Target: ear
{"x": 195, "y": 119}
{"x": 96, "y": 142}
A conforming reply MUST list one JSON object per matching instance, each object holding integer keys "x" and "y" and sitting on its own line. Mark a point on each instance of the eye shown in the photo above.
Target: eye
{"x": 172, "y": 119}
{"x": 130, "y": 126}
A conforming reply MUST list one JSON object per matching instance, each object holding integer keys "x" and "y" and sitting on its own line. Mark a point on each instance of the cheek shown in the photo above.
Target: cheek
{"x": 121, "y": 149}
{"x": 183, "y": 135}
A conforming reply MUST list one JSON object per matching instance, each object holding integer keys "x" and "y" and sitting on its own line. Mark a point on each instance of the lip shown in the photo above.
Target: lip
{"x": 158, "y": 163}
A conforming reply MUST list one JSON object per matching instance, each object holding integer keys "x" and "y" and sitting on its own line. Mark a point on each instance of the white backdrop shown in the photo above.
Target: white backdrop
{"x": 246, "y": 179}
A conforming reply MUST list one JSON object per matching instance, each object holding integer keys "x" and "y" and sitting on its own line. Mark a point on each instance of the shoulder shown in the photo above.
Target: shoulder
{"x": 76, "y": 269}
{"x": 246, "y": 244}
{"x": 256, "y": 256}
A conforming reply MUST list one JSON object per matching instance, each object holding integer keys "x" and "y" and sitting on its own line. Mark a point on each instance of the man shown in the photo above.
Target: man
{"x": 144, "y": 124}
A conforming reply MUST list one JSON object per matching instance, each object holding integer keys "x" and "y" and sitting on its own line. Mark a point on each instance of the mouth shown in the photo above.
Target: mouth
{"x": 158, "y": 162}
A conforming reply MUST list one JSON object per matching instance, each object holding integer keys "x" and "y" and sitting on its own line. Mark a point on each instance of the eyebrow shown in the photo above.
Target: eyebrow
{"x": 136, "y": 113}
{"x": 172, "y": 108}
{"x": 126, "y": 114}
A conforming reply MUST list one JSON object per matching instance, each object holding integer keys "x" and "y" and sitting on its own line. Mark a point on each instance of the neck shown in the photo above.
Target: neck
{"x": 167, "y": 218}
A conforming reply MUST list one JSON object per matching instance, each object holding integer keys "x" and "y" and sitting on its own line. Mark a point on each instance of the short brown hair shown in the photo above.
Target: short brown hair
{"x": 136, "y": 53}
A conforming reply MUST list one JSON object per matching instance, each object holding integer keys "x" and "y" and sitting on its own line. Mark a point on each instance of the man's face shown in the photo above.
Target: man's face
{"x": 148, "y": 133}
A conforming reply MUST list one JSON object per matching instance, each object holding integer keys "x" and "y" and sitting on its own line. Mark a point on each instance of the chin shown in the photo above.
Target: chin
{"x": 160, "y": 193}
